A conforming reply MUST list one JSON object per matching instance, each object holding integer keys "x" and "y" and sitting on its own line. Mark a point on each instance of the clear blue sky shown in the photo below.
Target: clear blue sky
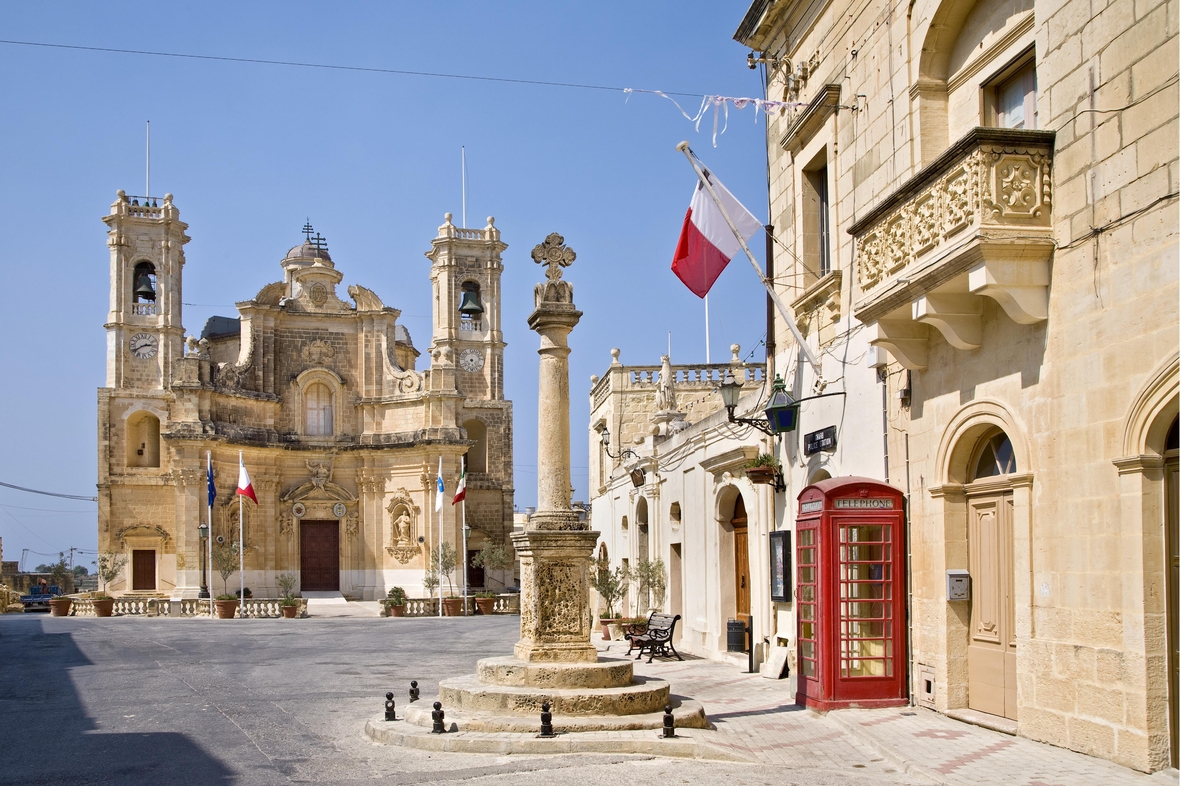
{"x": 252, "y": 151}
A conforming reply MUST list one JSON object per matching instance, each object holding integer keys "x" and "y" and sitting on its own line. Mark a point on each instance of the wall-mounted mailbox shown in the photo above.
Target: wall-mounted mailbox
{"x": 958, "y": 584}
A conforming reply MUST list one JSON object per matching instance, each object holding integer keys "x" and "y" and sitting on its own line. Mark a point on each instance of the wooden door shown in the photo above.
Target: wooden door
{"x": 1172, "y": 605}
{"x": 991, "y": 645}
{"x": 319, "y": 556}
{"x": 741, "y": 560}
{"x": 143, "y": 569}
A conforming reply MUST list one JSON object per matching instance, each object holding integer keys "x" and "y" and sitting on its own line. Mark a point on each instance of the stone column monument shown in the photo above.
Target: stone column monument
{"x": 555, "y": 662}
{"x": 555, "y": 548}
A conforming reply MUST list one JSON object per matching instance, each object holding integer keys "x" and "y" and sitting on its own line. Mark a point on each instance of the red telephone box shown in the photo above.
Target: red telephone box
{"x": 850, "y": 595}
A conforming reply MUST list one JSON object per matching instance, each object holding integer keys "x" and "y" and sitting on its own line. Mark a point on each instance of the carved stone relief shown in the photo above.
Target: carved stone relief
{"x": 403, "y": 526}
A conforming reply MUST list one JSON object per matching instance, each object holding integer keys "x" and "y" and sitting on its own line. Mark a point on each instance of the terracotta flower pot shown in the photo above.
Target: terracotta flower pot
{"x": 485, "y": 605}
{"x": 104, "y": 608}
{"x": 606, "y": 623}
{"x": 397, "y": 611}
{"x": 762, "y": 475}
{"x": 60, "y": 607}
{"x": 226, "y": 609}
{"x": 289, "y": 612}
{"x": 453, "y": 607}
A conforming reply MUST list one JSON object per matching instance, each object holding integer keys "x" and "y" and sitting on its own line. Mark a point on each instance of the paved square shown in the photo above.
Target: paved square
{"x": 199, "y": 701}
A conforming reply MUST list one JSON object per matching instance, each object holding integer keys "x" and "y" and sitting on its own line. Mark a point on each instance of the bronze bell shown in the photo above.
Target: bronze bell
{"x": 143, "y": 288}
{"x": 470, "y": 306}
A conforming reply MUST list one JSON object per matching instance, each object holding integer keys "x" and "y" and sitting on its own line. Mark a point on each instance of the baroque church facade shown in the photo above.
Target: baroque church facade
{"x": 322, "y": 398}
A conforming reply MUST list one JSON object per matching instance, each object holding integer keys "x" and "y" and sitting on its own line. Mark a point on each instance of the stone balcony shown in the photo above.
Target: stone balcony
{"x": 975, "y": 223}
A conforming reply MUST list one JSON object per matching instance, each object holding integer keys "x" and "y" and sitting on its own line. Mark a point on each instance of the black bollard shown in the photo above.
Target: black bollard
{"x": 390, "y": 714}
{"x": 669, "y": 722}
{"x": 546, "y": 721}
{"x": 437, "y": 716}
{"x": 413, "y": 691}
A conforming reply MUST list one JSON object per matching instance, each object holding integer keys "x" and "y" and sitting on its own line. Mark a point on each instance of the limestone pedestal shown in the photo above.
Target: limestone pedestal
{"x": 554, "y": 594}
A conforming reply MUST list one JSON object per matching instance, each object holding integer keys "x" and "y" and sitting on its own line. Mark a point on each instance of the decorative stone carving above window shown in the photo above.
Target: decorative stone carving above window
{"x": 976, "y": 222}
{"x": 818, "y": 308}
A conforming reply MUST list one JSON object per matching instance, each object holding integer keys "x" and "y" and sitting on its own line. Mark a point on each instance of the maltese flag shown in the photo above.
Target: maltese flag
{"x": 244, "y": 487}
{"x": 706, "y": 241}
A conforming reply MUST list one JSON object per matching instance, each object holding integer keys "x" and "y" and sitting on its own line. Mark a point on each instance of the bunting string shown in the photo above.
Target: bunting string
{"x": 720, "y": 106}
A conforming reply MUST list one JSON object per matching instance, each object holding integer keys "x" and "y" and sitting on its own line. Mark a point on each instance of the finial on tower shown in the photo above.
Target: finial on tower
{"x": 307, "y": 230}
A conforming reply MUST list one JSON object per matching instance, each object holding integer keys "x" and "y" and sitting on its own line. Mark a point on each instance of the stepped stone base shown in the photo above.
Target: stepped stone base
{"x": 508, "y": 671}
{"x": 689, "y": 714}
{"x": 469, "y": 694}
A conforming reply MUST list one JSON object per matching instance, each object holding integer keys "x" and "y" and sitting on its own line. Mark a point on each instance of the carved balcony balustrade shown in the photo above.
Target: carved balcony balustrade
{"x": 976, "y": 222}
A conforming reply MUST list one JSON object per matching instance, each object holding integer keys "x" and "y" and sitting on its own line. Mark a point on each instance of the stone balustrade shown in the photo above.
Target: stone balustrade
{"x": 976, "y": 222}
{"x": 256, "y": 608}
{"x": 506, "y": 603}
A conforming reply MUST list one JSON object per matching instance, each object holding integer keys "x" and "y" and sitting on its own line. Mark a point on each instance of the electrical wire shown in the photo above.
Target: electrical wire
{"x": 1170, "y": 81}
{"x": 49, "y": 493}
{"x": 333, "y": 67}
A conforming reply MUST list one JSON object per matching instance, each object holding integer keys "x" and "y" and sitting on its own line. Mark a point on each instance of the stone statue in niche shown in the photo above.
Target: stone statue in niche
{"x": 402, "y": 528}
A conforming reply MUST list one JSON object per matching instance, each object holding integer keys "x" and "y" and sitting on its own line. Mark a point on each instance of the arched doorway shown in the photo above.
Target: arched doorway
{"x": 991, "y": 645}
{"x": 741, "y": 559}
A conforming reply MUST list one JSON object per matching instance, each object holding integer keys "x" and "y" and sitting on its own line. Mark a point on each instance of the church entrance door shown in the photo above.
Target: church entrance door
{"x": 319, "y": 556}
{"x": 143, "y": 569}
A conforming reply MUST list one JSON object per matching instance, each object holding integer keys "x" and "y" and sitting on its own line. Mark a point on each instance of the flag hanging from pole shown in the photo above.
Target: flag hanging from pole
{"x": 245, "y": 489}
{"x": 706, "y": 243}
{"x": 438, "y": 498}
{"x": 461, "y": 491}
{"x": 209, "y": 478}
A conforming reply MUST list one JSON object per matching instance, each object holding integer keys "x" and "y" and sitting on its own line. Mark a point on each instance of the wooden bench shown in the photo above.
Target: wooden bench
{"x": 656, "y": 639}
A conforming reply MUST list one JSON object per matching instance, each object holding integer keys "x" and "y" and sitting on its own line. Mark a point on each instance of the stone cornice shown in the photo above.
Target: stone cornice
{"x": 730, "y": 459}
{"x": 811, "y": 118}
{"x": 1136, "y": 465}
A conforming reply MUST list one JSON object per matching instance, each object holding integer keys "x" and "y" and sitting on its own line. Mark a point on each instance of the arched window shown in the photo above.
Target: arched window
{"x": 143, "y": 440}
{"x": 317, "y": 410}
{"x": 143, "y": 283}
{"x": 477, "y": 454}
{"x": 995, "y": 457}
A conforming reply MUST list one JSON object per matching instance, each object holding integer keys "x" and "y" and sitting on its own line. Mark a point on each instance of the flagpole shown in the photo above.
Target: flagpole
{"x": 819, "y": 382}
{"x": 465, "y": 556}
{"x": 209, "y": 544}
{"x": 707, "y": 361}
{"x": 241, "y": 552}
{"x": 438, "y": 507}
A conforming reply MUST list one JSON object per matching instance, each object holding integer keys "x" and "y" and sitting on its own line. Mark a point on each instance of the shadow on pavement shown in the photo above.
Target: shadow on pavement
{"x": 49, "y": 738}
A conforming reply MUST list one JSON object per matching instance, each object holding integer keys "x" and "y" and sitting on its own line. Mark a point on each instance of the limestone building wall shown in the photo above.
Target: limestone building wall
{"x": 1014, "y": 277}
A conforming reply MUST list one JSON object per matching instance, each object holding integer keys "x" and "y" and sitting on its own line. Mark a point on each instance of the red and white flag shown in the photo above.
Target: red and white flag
{"x": 244, "y": 487}
{"x": 461, "y": 492}
{"x": 706, "y": 241}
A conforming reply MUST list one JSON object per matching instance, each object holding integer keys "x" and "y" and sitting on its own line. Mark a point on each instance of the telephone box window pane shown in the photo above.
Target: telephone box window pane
{"x": 807, "y": 630}
{"x": 806, "y": 575}
{"x": 807, "y": 593}
{"x": 806, "y": 556}
{"x": 806, "y": 537}
{"x": 808, "y": 667}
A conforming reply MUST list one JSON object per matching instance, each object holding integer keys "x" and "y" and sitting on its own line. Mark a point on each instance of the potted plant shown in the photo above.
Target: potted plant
{"x": 395, "y": 604}
{"x": 485, "y": 602}
{"x": 225, "y": 562}
{"x": 765, "y": 469}
{"x": 289, "y": 605}
{"x": 109, "y": 564}
{"x": 60, "y": 606}
{"x": 611, "y": 585}
{"x": 227, "y": 606}
{"x": 443, "y": 562}
{"x": 430, "y": 583}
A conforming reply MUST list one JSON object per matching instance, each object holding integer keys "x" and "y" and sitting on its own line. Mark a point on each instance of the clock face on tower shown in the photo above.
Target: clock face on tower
{"x": 471, "y": 360}
{"x": 144, "y": 345}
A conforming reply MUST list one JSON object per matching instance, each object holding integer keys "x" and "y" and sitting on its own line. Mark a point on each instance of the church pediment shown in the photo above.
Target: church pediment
{"x": 311, "y": 491}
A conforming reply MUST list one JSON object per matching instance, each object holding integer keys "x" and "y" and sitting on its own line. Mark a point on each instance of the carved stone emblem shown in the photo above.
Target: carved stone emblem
{"x": 318, "y": 294}
{"x": 554, "y": 254}
{"x": 318, "y": 351}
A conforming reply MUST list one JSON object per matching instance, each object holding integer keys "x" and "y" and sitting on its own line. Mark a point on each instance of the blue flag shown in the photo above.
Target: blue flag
{"x": 439, "y": 497}
{"x": 209, "y": 480}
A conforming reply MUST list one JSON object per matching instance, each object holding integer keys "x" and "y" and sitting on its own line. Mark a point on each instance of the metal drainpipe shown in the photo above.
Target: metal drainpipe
{"x": 909, "y": 577}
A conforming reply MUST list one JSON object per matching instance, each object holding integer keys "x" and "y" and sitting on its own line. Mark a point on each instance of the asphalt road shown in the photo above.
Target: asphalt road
{"x": 197, "y": 701}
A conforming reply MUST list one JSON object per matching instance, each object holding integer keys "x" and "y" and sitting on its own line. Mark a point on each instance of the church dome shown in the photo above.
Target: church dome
{"x": 307, "y": 251}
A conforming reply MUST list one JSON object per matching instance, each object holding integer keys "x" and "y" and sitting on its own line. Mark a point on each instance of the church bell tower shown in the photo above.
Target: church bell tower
{"x": 145, "y": 336}
{"x": 466, "y": 277}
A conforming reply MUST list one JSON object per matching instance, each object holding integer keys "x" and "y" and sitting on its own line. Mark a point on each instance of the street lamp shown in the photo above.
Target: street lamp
{"x": 203, "y": 531}
{"x": 637, "y": 474}
{"x": 782, "y": 413}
